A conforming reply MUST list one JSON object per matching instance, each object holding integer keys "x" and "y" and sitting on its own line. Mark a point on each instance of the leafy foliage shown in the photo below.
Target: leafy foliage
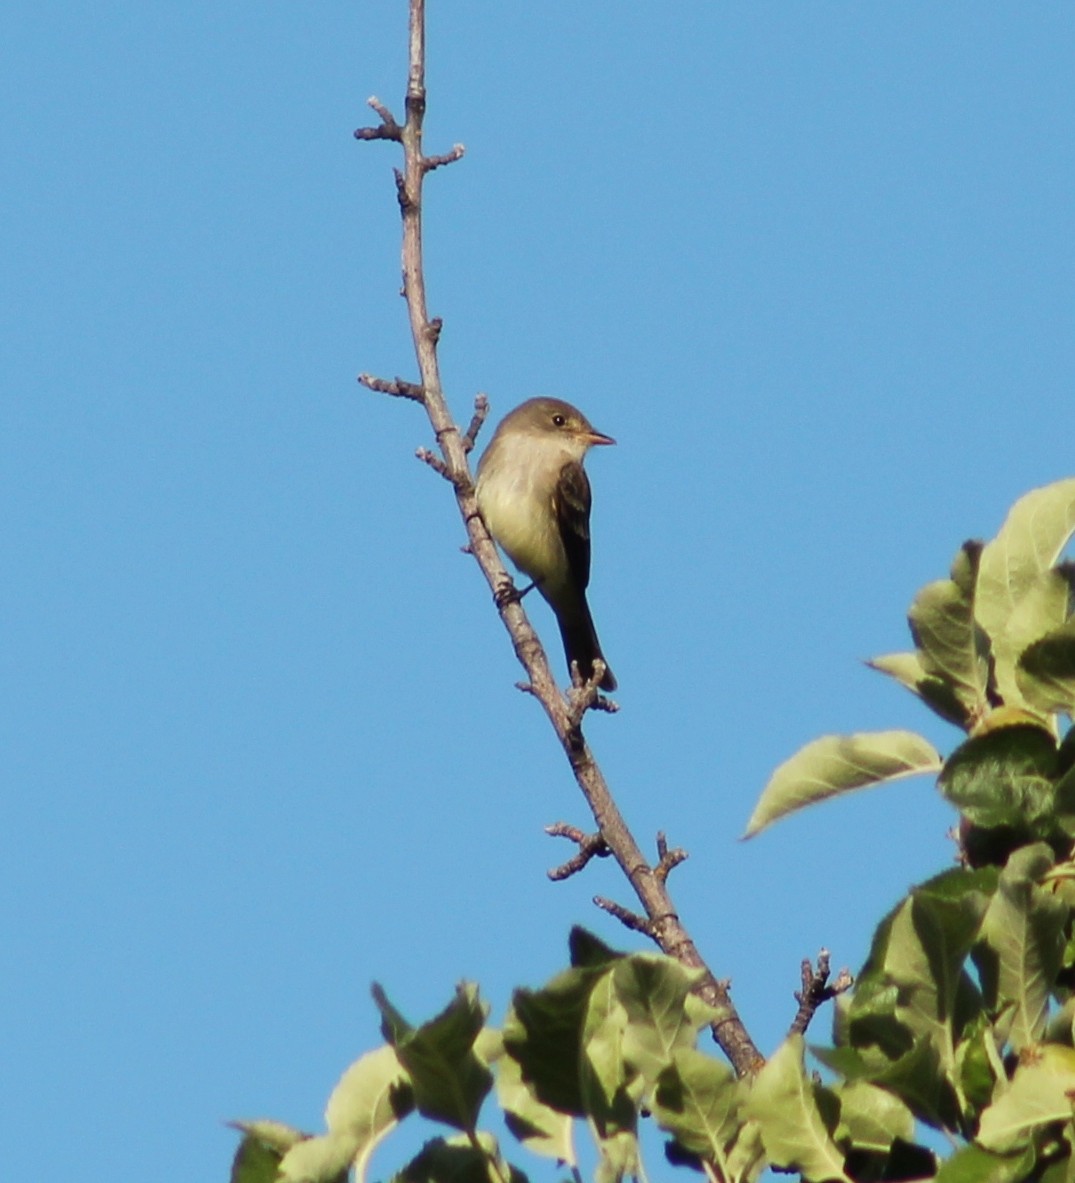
{"x": 962, "y": 1018}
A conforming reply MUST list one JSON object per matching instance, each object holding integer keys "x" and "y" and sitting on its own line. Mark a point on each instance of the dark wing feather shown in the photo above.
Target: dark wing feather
{"x": 571, "y": 504}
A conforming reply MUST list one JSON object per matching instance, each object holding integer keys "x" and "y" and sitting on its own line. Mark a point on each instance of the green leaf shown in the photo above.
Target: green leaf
{"x": 939, "y": 696}
{"x": 972, "y": 1164}
{"x": 746, "y": 1159}
{"x": 1046, "y": 671}
{"x": 696, "y": 1100}
{"x": 539, "y": 1127}
{"x": 653, "y": 991}
{"x": 871, "y": 1118}
{"x": 588, "y": 951}
{"x": 838, "y": 764}
{"x": 372, "y": 1097}
{"x": 952, "y": 647}
{"x": 449, "y": 1080}
{"x": 1040, "y": 1093}
{"x": 318, "y": 1160}
{"x": 457, "y": 1160}
{"x": 977, "y": 1063}
{"x": 1023, "y": 943}
{"x": 261, "y": 1150}
{"x": 543, "y": 1031}
{"x": 611, "y": 1087}
{"x": 1032, "y": 538}
{"x": 607, "y": 1076}
{"x": 1004, "y": 778}
{"x": 784, "y": 1103}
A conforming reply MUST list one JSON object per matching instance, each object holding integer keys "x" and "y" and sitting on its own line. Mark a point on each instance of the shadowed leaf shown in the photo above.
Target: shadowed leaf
{"x": 449, "y": 1080}
{"x": 1046, "y": 671}
{"x": 952, "y": 647}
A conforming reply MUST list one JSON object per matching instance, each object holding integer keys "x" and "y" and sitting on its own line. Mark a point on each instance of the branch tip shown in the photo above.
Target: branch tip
{"x": 388, "y": 129}
{"x": 816, "y": 990}
{"x": 435, "y": 463}
{"x": 625, "y": 916}
{"x": 396, "y": 387}
{"x": 481, "y": 410}
{"x": 429, "y": 163}
{"x": 590, "y": 846}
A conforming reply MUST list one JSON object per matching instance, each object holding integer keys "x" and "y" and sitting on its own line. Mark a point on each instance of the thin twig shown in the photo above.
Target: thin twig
{"x": 816, "y": 990}
{"x": 397, "y": 387}
{"x": 429, "y": 163}
{"x": 434, "y": 462}
{"x": 667, "y": 859}
{"x": 626, "y": 917}
{"x": 481, "y": 411}
{"x": 590, "y": 846}
{"x": 388, "y": 129}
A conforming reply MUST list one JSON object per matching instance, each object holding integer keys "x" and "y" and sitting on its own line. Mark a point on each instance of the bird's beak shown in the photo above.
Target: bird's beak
{"x": 596, "y": 438}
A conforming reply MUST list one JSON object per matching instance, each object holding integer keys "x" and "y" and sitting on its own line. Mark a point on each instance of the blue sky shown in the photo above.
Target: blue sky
{"x": 811, "y": 265}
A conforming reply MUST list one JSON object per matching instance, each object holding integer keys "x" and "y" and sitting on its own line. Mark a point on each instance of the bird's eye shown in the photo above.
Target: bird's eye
{"x": 559, "y": 420}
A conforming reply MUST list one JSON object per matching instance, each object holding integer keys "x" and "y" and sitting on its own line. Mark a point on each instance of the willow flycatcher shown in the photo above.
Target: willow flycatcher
{"x": 535, "y": 498}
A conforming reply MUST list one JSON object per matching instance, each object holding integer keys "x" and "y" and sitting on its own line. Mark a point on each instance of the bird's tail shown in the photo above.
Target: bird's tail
{"x": 582, "y": 646}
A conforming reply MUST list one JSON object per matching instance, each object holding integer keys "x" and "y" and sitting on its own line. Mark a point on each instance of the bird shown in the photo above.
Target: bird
{"x": 534, "y": 496}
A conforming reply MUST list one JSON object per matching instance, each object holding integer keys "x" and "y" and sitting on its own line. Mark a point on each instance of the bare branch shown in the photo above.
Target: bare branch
{"x": 660, "y": 922}
{"x": 816, "y": 990}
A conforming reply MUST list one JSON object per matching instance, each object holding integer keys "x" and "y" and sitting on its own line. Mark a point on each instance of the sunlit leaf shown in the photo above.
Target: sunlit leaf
{"x": 653, "y": 991}
{"x": 783, "y": 1101}
{"x": 837, "y": 764}
{"x": 318, "y": 1160}
{"x": 696, "y": 1100}
{"x": 871, "y": 1117}
{"x": 372, "y": 1097}
{"x": 1034, "y": 534}
{"x": 1040, "y": 1093}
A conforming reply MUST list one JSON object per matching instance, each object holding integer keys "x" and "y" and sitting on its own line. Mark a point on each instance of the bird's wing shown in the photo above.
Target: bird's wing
{"x": 571, "y": 504}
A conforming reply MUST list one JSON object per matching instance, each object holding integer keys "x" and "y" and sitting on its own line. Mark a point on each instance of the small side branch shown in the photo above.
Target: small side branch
{"x": 435, "y": 463}
{"x": 585, "y": 695}
{"x": 816, "y": 990}
{"x": 481, "y": 412}
{"x": 626, "y": 917}
{"x": 396, "y": 387}
{"x": 388, "y": 129}
{"x": 590, "y": 846}
{"x": 669, "y": 859}
{"x": 429, "y": 163}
